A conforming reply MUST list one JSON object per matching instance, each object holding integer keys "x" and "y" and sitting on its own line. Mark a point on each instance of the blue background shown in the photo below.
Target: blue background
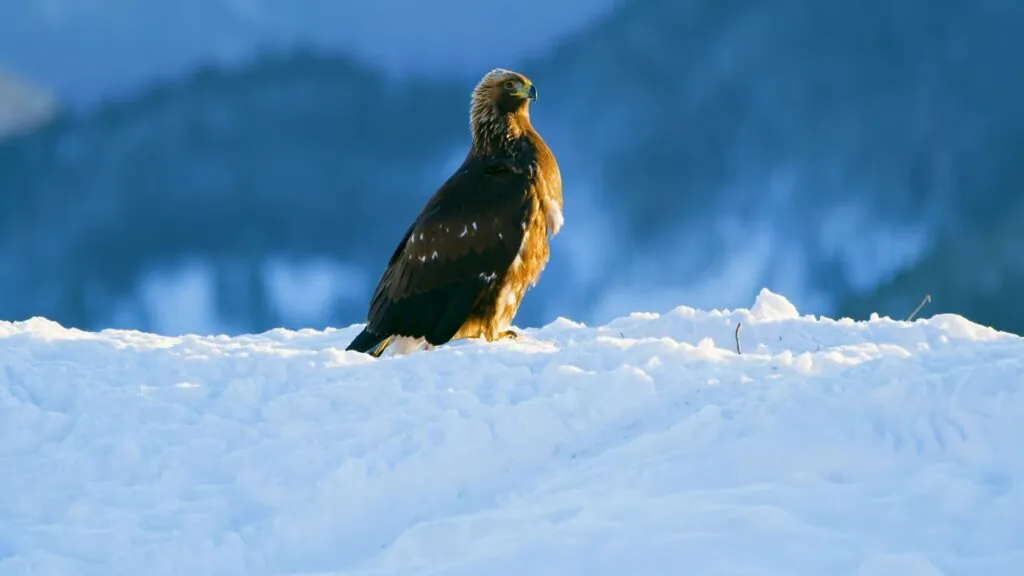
{"x": 233, "y": 166}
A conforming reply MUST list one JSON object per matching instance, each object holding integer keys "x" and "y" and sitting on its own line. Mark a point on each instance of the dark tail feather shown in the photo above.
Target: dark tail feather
{"x": 369, "y": 343}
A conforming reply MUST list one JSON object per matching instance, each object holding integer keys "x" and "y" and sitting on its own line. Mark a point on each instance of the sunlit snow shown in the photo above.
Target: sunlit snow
{"x": 644, "y": 446}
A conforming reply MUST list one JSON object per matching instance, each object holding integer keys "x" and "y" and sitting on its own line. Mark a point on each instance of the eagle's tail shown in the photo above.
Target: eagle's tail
{"x": 370, "y": 343}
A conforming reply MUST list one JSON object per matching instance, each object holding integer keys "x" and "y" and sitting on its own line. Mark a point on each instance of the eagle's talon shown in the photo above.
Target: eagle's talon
{"x": 510, "y": 334}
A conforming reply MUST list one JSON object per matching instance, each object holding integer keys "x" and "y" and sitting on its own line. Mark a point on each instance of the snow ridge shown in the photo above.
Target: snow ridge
{"x": 645, "y": 446}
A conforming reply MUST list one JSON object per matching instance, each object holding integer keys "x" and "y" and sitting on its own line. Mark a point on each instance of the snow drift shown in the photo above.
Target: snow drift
{"x": 645, "y": 446}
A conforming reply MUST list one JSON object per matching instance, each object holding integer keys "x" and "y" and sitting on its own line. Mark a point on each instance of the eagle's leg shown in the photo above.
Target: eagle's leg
{"x": 494, "y": 336}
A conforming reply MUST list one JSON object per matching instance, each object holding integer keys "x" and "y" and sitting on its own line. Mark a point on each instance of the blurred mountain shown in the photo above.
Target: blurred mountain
{"x": 297, "y": 157}
{"x": 859, "y": 141}
{"x": 852, "y": 156}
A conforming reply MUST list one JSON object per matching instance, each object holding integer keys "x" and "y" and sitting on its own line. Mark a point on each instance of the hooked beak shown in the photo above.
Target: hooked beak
{"x": 531, "y": 93}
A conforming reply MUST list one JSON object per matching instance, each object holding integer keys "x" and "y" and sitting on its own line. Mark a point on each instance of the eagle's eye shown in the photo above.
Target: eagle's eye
{"x": 510, "y": 85}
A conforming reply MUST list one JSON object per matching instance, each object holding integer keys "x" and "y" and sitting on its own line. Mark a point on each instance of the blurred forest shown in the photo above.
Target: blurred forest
{"x": 852, "y": 156}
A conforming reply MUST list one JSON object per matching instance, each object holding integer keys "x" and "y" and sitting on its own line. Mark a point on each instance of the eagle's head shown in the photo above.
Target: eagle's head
{"x": 499, "y": 97}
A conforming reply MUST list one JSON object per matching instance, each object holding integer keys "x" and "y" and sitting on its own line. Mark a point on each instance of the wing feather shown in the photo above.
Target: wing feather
{"x": 466, "y": 236}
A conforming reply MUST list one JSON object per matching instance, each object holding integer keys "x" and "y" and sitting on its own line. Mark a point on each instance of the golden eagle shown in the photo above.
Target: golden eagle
{"x": 481, "y": 240}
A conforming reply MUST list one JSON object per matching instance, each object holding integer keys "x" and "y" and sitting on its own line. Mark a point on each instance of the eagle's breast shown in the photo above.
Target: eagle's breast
{"x": 543, "y": 219}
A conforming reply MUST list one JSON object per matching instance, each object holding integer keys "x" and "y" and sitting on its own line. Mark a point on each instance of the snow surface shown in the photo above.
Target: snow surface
{"x": 645, "y": 446}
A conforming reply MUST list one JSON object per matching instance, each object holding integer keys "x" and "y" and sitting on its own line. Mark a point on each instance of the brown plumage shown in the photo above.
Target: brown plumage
{"x": 481, "y": 241}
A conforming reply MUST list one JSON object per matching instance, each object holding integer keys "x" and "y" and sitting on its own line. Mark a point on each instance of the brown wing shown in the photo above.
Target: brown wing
{"x": 462, "y": 242}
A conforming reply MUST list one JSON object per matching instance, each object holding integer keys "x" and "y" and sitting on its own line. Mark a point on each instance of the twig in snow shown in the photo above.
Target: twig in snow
{"x": 738, "y": 324}
{"x": 927, "y": 299}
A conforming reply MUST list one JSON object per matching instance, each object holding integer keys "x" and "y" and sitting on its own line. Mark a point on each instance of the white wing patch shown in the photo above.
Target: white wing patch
{"x": 426, "y": 251}
{"x": 429, "y": 242}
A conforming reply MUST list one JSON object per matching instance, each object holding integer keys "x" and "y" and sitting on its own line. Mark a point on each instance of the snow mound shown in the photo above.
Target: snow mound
{"x": 645, "y": 446}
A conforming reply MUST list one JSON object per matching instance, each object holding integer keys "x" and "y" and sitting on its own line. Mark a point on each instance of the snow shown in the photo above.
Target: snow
{"x": 644, "y": 446}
